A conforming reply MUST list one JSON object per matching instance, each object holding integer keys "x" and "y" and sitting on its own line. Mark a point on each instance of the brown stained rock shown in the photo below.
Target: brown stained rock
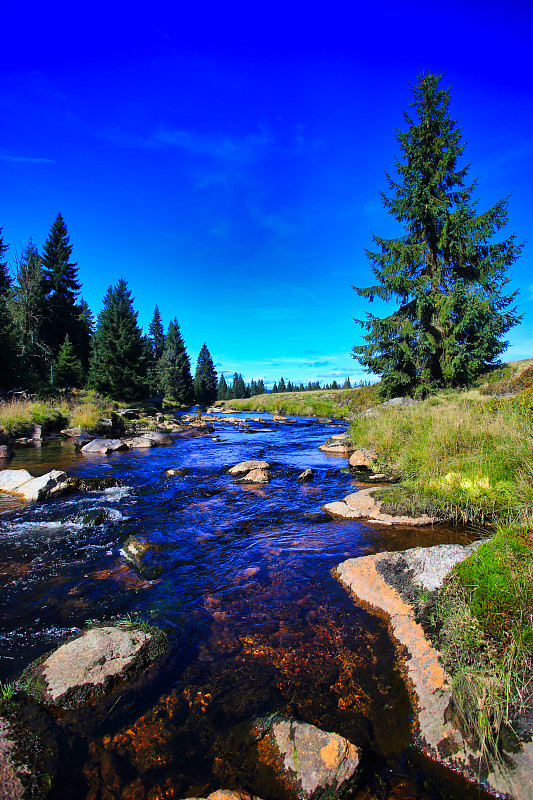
{"x": 363, "y": 458}
{"x": 93, "y": 663}
{"x": 246, "y": 466}
{"x": 363, "y": 505}
{"x": 11, "y": 787}
{"x": 226, "y": 794}
{"x": 430, "y": 685}
{"x": 312, "y": 761}
{"x": 255, "y": 476}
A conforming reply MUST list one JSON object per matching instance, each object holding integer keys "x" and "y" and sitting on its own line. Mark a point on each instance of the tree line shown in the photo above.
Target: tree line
{"x": 48, "y": 337}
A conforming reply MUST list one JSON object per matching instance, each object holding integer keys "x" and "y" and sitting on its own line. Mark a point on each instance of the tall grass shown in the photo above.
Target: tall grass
{"x": 84, "y": 411}
{"x": 336, "y": 403}
{"x": 472, "y": 459}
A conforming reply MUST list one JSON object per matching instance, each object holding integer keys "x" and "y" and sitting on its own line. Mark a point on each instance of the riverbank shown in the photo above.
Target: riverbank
{"x": 334, "y": 403}
{"x": 469, "y": 458}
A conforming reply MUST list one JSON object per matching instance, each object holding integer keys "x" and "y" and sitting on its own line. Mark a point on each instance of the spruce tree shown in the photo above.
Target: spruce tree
{"x": 157, "y": 335}
{"x": 29, "y": 303}
{"x": 68, "y": 370}
{"x": 238, "y": 389}
{"x": 445, "y": 273}
{"x": 8, "y": 357}
{"x": 118, "y": 361}
{"x": 281, "y": 385}
{"x": 205, "y": 379}
{"x": 222, "y": 388}
{"x": 62, "y": 288}
{"x": 175, "y": 367}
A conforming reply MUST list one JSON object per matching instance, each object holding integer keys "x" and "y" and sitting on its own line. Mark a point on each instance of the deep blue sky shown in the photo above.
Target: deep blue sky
{"x": 226, "y": 158}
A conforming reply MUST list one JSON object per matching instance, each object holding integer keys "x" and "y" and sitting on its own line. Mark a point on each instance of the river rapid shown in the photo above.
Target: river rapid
{"x": 240, "y": 581}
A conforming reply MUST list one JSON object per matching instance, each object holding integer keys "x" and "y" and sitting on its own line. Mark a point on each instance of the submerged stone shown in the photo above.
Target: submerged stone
{"x": 314, "y": 763}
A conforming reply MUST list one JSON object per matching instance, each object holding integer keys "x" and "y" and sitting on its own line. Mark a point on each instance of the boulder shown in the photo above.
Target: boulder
{"x": 6, "y": 452}
{"x": 306, "y": 475}
{"x": 336, "y": 448}
{"x": 323, "y": 420}
{"x": 103, "y": 446}
{"x": 11, "y": 772}
{"x": 92, "y": 664}
{"x": 159, "y": 439}
{"x": 255, "y": 476}
{"x": 142, "y": 553}
{"x": 72, "y": 433}
{"x": 21, "y": 482}
{"x": 363, "y": 459}
{"x": 246, "y": 466}
{"x": 175, "y": 473}
{"x": 310, "y": 762}
{"x": 53, "y": 483}
{"x": 139, "y": 442}
{"x": 363, "y": 505}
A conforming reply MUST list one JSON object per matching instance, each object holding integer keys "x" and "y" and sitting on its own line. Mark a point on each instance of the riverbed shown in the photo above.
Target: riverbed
{"x": 239, "y": 579}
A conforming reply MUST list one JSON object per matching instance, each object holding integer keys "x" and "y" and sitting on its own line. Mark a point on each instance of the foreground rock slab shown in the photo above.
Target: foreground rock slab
{"x": 21, "y": 482}
{"x": 369, "y": 579}
{"x": 92, "y": 664}
{"x": 363, "y": 505}
{"x": 313, "y": 762}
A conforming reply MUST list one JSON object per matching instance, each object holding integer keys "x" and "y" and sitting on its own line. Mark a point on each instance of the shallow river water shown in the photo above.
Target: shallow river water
{"x": 240, "y": 582}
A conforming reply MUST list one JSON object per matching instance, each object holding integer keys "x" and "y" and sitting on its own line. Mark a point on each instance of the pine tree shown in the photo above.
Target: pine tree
{"x": 29, "y": 305}
{"x": 222, "y": 388}
{"x": 261, "y": 386}
{"x": 281, "y": 385}
{"x": 157, "y": 335}
{"x": 205, "y": 379}
{"x": 238, "y": 389}
{"x": 444, "y": 272}
{"x": 118, "y": 361}
{"x": 175, "y": 367}
{"x": 347, "y": 384}
{"x": 68, "y": 370}
{"x": 8, "y": 357}
{"x": 62, "y": 289}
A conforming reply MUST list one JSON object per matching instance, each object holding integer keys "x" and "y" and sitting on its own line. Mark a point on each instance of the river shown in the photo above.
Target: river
{"x": 240, "y": 582}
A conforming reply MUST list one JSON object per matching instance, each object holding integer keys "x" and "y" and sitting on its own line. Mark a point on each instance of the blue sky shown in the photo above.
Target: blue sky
{"x": 226, "y": 159}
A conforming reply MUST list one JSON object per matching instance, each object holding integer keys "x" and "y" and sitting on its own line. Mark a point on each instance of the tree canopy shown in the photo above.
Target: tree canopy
{"x": 175, "y": 367}
{"x": 445, "y": 273}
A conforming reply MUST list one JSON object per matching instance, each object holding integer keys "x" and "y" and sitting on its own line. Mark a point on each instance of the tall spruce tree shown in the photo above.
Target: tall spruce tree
{"x": 29, "y": 299}
{"x": 64, "y": 316}
{"x": 446, "y": 274}
{"x": 68, "y": 371}
{"x": 8, "y": 357}
{"x": 205, "y": 379}
{"x": 175, "y": 367}
{"x": 157, "y": 334}
{"x": 222, "y": 388}
{"x": 118, "y": 361}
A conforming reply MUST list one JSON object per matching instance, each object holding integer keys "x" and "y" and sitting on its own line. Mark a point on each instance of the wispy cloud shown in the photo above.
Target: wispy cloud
{"x": 26, "y": 159}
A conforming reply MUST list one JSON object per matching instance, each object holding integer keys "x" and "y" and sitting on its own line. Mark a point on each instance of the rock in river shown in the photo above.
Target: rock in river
{"x": 91, "y": 665}
{"x": 310, "y": 762}
{"x": 363, "y": 505}
{"x": 246, "y": 466}
{"x": 306, "y": 475}
{"x": 21, "y": 482}
{"x": 104, "y": 446}
{"x": 255, "y": 476}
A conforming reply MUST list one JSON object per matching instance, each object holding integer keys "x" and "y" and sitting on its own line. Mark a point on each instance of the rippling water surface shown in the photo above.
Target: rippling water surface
{"x": 239, "y": 578}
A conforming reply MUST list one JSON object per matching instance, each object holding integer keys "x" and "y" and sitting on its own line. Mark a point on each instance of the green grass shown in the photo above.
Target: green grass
{"x": 332, "y": 403}
{"x": 473, "y": 461}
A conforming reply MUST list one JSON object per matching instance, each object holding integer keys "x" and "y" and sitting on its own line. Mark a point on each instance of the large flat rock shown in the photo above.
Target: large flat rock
{"x": 104, "y": 446}
{"x": 364, "y": 505}
{"x": 93, "y": 663}
{"x": 434, "y": 731}
{"x": 246, "y": 466}
{"x": 21, "y": 482}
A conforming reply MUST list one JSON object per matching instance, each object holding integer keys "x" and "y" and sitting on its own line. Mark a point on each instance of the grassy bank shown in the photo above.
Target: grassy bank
{"x": 334, "y": 403}
{"x": 470, "y": 457}
{"x": 84, "y": 410}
